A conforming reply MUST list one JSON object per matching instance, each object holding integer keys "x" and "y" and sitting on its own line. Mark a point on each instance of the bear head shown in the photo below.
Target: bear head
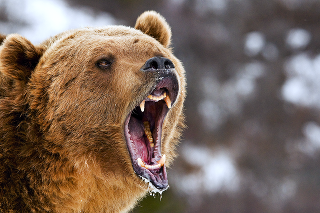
{"x": 89, "y": 116}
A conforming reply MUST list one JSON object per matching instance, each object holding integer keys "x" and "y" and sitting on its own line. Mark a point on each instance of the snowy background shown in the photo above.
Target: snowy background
{"x": 253, "y": 107}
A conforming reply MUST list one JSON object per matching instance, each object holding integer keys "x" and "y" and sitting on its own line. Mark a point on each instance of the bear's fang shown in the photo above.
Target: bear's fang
{"x": 164, "y": 97}
{"x": 160, "y": 164}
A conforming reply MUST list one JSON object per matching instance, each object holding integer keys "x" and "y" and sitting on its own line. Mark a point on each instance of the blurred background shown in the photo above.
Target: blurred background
{"x": 253, "y": 106}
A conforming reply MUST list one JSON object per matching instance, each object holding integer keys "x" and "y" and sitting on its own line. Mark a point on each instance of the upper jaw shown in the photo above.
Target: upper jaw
{"x": 143, "y": 130}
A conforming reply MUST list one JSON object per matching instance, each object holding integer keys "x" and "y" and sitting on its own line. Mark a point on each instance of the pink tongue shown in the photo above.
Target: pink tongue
{"x": 136, "y": 131}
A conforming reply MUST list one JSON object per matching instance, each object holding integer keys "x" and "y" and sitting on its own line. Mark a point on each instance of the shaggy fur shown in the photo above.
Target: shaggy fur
{"x": 62, "y": 146}
{"x": 2, "y": 37}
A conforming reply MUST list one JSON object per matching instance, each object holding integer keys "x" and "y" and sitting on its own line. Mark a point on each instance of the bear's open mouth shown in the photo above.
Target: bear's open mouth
{"x": 143, "y": 131}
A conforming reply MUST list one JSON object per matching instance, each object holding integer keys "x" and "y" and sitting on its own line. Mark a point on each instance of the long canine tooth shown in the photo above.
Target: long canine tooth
{"x": 163, "y": 96}
{"x": 143, "y": 103}
{"x": 168, "y": 101}
{"x": 162, "y": 161}
{"x": 141, "y": 163}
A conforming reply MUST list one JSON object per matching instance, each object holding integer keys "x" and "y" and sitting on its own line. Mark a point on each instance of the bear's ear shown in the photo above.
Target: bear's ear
{"x": 18, "y": 57}
{"x": 154, "y": 25}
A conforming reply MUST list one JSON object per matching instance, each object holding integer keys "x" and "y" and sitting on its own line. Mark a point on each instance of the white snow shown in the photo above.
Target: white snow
{"x": 40, "y": 19}
{"x": 312, "y": 133}
{"x": 223, "y": 99}
{"x": 311, "y": 142}
{"x": 287, "y": 189}
{"x": 217, "y": 171}
{"x": 254, "y": 43}
{"x": 302, "y": 84}
{"x": 298, "y": 38}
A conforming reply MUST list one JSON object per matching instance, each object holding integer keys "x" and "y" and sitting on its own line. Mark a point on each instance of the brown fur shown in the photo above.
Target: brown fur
{"x": 2, "y": 37}
{"x": 62, "y": 147}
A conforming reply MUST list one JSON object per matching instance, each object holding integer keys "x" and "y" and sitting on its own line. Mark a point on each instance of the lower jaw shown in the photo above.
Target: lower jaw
{"x": 155, "y": 176}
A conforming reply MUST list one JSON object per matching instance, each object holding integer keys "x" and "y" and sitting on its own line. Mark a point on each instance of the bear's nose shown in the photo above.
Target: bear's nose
{"x": 157, "y": 63}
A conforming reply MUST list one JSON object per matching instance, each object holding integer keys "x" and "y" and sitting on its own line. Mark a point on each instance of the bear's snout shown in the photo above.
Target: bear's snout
{"x": 162, "y": 70}
{"x": 158, "y": 63}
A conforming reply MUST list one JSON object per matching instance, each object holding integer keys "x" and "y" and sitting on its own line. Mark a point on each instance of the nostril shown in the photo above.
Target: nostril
{"x": 168, "y": 64}
{"x": 154, "y": 65}
{"x": 157, "y": 63}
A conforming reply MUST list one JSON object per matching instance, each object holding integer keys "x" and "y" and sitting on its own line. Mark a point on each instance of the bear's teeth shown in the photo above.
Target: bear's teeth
{"x": 140, "y": 162}
{"x": 160, "y": 164}
{"x": 151, "y": 167}
{"x": 148, "y": 133}
{"x": 162, "y": 160}
{"x": 168, "y": 101}
{"x": 157, "y": 98}
{"x": 143, "y": 103}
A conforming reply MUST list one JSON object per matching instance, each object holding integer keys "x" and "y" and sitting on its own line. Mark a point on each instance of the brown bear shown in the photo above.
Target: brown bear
{"x": 89, "y": 119}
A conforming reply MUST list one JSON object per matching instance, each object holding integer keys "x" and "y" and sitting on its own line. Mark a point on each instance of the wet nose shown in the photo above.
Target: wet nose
{"x": 158, "y": 63}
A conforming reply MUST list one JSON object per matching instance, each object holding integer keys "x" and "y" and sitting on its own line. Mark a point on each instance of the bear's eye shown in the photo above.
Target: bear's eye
{"x": 104, "y": 63}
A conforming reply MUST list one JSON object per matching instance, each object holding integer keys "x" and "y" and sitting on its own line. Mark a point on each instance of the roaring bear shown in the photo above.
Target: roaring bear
{"x": 89, "y": 119}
